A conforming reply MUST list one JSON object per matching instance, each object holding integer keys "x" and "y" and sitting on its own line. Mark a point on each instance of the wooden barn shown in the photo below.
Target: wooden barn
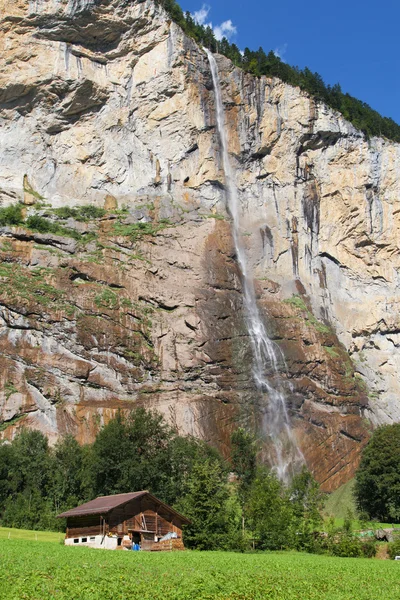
{"x": 121, "y": 520}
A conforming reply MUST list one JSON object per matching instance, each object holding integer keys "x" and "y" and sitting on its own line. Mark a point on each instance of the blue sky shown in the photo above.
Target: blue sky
{"x": 351, "y": 42}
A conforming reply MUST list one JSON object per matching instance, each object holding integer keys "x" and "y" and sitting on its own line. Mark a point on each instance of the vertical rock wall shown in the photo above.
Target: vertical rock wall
{"x": 108, "y": 103}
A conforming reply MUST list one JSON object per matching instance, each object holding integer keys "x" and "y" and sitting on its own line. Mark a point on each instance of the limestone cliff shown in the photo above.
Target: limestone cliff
{"x": 107, "y": 102}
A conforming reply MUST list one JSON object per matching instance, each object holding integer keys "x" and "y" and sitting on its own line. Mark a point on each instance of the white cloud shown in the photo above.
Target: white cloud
{"x": 200, "y": 16}
{"x": 280, "y": 52}
{"x": 226, "y": 29}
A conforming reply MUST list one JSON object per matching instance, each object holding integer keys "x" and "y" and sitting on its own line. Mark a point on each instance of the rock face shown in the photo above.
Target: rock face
{"x": 108, "y": 103}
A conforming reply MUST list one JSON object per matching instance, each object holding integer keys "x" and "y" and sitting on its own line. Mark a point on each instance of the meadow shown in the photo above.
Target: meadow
{"x": 340, "y": 504}
{"x": 10, "y": 533}
{"x": 40, "y": 570}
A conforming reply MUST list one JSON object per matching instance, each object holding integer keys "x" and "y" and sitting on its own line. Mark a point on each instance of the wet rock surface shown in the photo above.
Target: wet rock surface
{"x": 108, "y": 103}
{"x": 156, "y": 320}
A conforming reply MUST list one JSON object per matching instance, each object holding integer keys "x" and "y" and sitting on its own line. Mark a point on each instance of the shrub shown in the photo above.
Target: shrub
{"x": 40, "y": 224}
{"x": 90, "y": 212}
{"x": 80, "y": 213}
{"x": 43, "y": 225}
{"x": 346, "y": 545}
{"x": 65, "y": 212}
{"x": 394, "y": 549}
{"x": 369, "y": 548}
{"x": 11, "y": 215}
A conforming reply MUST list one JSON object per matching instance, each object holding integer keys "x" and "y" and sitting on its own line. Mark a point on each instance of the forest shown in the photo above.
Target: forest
{"x": 233, "y": 504}
{"x": 259, "y": 63}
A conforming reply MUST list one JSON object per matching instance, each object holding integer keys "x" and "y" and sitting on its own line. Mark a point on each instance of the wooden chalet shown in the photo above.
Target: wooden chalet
{"x": 124, "y": 519}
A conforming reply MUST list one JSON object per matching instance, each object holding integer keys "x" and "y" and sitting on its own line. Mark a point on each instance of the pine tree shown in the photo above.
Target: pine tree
{"x": 206, "y": 504}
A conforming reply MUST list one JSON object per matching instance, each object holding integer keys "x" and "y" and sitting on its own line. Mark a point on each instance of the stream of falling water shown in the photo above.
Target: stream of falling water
{"x": 284, "y": 454}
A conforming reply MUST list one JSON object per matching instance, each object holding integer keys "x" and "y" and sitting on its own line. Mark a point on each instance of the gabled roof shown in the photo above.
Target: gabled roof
{"x": 104, "y": 504}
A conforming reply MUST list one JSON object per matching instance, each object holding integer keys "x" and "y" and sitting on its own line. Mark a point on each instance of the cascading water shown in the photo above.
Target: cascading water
{"x": 284, "y": 454}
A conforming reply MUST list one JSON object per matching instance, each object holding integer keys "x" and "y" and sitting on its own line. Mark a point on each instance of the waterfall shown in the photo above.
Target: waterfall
{"x": 284, "y": 454}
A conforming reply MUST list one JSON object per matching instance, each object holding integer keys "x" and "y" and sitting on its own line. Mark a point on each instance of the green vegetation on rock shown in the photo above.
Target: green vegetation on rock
{"x": 83, "y": 213}
{"x": 10, "y": 389}
{"x": 216, "y": 216}
{"x": 136, "y": 231}
{"x": 107, "y": 299}
{"x": 44, "y": 225}
{"x": 332, "y": 351}
{"x": 10, "y": 422}
{"x": 22, "y": 285}
{"x": 298, "y": 302}
{"x": 11, "y": 215}
{"x": 30, "y": 190}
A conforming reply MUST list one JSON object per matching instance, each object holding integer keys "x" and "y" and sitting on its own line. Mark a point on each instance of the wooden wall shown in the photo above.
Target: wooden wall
{"x": 84, "y": 526}
{"x": 144, "y": 515}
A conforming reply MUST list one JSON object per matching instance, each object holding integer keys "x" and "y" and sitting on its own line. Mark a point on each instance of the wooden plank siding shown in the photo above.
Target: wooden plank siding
{"x": 84, "y": 526}
{"x": 143, "y": 516}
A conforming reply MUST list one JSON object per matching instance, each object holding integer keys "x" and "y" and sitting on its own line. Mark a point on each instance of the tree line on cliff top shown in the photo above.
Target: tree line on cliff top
{"x": 258, "y": 63}
{"x": 235, "y": 504}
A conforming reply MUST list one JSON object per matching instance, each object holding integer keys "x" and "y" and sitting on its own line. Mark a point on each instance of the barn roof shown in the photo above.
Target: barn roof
{"x": 104, "y": 504}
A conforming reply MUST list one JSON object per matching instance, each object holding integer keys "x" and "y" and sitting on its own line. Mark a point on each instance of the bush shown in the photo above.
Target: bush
{"x": 80, "y": 213}
{"x": 11, "y": 215}
{"x": 43, "y": 225}
{"x": 207, "y": 505}
{"x": 65, "y": 212}
{"x": 394, "y": 549}
{"x": 344, "y": 543}
{"x": 40, "y": 224}
{"x": 369, "y": 548}
{"x": 270, "y": 513}
{"x": 90, "y": 212}
{"x": 346, "y": 546}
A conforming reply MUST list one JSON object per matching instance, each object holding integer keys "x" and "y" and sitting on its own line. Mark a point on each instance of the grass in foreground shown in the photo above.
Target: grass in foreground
{"x": 39, "y": 570}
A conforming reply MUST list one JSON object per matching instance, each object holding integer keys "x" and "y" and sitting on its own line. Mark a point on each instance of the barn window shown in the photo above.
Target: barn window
{"x": 76, "y": 540}
{"x": 92, "y": 539}
{"x": 84, "y": 540}
{"x": 119, "y": 541}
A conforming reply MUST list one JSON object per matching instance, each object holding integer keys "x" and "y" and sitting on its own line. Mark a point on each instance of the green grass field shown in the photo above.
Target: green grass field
{"x": 41, "y": 571}
{"x": 26, "y": 534}
{"x": 341, "y": 501}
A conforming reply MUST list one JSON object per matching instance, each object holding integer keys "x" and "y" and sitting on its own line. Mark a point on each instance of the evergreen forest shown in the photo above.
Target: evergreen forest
{"x": 236, "y": 504}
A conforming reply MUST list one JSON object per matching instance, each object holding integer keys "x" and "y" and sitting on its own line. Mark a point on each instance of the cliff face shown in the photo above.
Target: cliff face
{"x": 108, "y": 103}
